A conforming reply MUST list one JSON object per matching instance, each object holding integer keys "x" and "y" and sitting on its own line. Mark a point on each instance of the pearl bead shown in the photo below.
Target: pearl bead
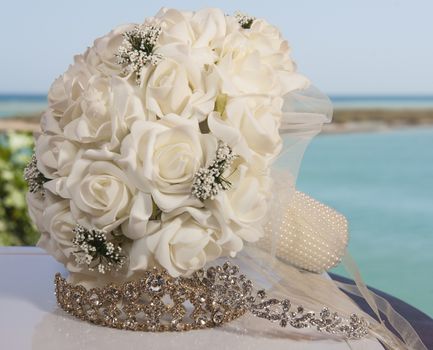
{"x": 305, "y": 232}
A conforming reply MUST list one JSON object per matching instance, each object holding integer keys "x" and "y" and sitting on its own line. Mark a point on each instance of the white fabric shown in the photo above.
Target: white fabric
{"x": 304, "y": 113}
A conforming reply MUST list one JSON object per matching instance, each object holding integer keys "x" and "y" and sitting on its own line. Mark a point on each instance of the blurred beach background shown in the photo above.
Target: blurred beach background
{"x": 374, "y": 163}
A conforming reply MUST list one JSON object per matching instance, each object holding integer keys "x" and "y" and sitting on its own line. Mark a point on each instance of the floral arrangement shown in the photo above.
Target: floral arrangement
{"x": 157, "y": 144}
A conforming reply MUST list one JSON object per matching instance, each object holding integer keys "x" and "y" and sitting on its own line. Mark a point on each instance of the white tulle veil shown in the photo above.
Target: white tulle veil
{"x": 279, "y": 261}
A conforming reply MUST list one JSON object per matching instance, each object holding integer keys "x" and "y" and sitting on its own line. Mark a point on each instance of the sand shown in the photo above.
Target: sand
{"x": 368, "y": 120}
{"x": 344, "y": 120}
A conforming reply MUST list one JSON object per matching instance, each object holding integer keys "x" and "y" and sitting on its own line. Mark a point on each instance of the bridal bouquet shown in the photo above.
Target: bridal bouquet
{"x": 157, "y": 156}
{"x": 157, "y": 144}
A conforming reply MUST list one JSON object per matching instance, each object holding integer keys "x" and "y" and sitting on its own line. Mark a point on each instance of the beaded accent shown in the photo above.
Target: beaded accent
{"x": 158, "y": 302}
{"x": 298, "y": 219}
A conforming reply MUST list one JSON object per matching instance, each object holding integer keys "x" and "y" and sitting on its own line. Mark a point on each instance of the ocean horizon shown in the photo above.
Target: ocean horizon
{"x": 26, "y": 104}
{"x": 21, "y": 105}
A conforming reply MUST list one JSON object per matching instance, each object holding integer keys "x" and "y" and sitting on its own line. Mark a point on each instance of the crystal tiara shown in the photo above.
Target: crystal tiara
{"x": 209, "y": 298}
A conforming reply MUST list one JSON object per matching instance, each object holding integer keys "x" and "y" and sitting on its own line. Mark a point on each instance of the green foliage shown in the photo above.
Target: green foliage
{"x": 16, "y": 227}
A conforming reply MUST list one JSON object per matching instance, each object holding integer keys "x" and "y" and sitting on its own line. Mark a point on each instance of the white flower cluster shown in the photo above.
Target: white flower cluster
{"x": 35, "y": 179}
{"x": 244, "y": 20}
{"x": 209, "y": 181}
{"x": 137, "y": 48}
{"x": 177, "y": 165}
{"x": 93, "y": 249}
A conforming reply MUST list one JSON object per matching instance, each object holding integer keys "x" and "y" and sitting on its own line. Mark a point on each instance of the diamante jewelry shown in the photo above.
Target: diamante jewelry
{"x": 209, "y": 181}
{"x": 157, "y": 302}
{"x": 137, "y": 48}
{"x": 34, "y": 178}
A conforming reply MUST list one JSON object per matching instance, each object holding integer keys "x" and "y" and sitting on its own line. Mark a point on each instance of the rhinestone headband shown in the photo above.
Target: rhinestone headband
{"x": 158, "y": 302}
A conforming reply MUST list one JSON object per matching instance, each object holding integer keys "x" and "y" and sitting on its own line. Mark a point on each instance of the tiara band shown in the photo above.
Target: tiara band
{"x": 158, "y": 302}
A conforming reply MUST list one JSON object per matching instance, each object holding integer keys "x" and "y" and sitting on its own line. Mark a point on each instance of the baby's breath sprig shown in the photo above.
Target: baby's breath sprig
{"x": 34, "y": 178}
{"x": 137, "y": 48}
{"x": 244, "y": 20}
{"x": 96, "y": 251}
{"x": 208, "y": 181}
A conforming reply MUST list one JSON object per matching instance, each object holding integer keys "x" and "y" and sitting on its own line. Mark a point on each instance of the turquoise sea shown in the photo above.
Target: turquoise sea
{"x": 22, "y": 105}
{"x": 383, "y": 183}
{"x": 12, "y": 105}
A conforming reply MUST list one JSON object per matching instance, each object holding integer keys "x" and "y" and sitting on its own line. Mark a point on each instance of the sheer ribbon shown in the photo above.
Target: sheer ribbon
{"x": 380, "y": 305}
{"x": 303, "y": 234}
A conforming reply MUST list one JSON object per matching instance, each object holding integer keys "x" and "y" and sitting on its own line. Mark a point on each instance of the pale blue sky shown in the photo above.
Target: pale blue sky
{"x": 345, "y": 47}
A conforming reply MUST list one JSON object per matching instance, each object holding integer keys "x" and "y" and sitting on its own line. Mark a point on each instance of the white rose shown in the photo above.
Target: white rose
{"x": 100, "y": 193}
{"x": 50, "y": 123}
{"x": 177, "y": 85}
{"x": 202, "y": 30}
{"x": 249, "y": 124}
{"x": 102, "y": 55}
{"x": 162, "y": 158}
{"x": 108, "y": 106}
{"x": 181, "y": 246}
{"x": 52, "y": 247}
{"x": 35, "y": 206}
{"x": 242, "y": 71}
{"x": 248, "y": 67}
{"x": 209, "y": 27}
{"x": 274, "y": 50}
{"x": 175, "y": 25}
{"x": 57, "y": 246}
{"x": 57, "y": 239}
{"x": 244, "y": 206}
{"x": 55, "y": 155}
{"x": 221, "y": 231}
{"x": 267, "y": 39}
{"x": 65, "y": 92}
{"x": 60, "y": 223}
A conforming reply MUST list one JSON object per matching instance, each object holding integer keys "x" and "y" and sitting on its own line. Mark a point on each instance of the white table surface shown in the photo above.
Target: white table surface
{"x": 30, "y": 319}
